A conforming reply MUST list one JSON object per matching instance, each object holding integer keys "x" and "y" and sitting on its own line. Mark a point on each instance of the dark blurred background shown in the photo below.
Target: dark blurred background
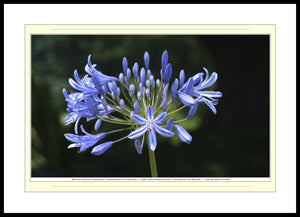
{"x": 232, "y": 143}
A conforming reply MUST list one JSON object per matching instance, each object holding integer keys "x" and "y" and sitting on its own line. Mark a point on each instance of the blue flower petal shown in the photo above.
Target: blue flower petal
{"x": 152, "y": 139}
{"x": 89, "y": 61}
{"x": 138, "y": 132}
{"x": 198, "y": 78}
{"x": 100, "y": 149}
{"x": 149, "y": 113}
{"x": 162, "y": 131}
{"x": 216, "y": 94}
{"x": 193, "y": 110}
{"x": 209, "y": 81}
{"x": 97, "y": 124}
{"x": 76, "y": 126}
{"x": 190, "y": 87}
{"x": 71, "y": 117}
{"x": 139, "y": 119}
{"x": 76, "y": 76}
{"x": 85, "y": 141}
{"x": 186, "y": 99}
{"x": 211, "y": 106}
{"x": 184, "y": 136}
{"x": 85, "y": 146}
{"x": 80, "y": 87}
{"x": 160, "y": 118}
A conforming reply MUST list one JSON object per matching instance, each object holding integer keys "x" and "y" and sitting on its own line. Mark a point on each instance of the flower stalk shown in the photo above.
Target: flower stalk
{"x": 152, "y": 162}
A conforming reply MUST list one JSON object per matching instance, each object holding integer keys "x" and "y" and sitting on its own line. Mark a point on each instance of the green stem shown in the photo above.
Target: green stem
{"x": 177, "y": 110}
{"x": 114, "y": 121}
{"x": 174, "y": 122}
{"x": 152, "y": 162}
{"x": 118, "y": 130}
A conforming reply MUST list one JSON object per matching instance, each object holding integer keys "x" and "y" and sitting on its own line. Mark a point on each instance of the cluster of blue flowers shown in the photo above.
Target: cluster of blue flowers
{"x": 145, "y": 104}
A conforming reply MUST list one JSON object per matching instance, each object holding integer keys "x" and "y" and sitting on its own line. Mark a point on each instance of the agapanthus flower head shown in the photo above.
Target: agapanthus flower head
{"x": 140, "y": 103}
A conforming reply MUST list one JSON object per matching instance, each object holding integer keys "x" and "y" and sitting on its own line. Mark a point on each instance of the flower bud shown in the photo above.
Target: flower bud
{"x": 164, "y": 104}
{"x": 135, "y": 71}
{"x": 164, "y": 60}
{"x": 169, "y": 124}
{"x": 122, "y": 104}
{"x": 121, "y": 78}
{"x": 181, "y": 77}
{"x": 128, "y": 73}
{"x": 136, "y": 107}
{"x": 141, "y": 87}
{"x": 131, "y": 89}
{"x": 157, "y": 82}
{"x": 143, "y": 75}
{"x": 139, "y": 95}
{"x": 138, "y": 146}
{"x": 100, "y": 149}
{"x": 97, "y": 124}
{"x": 147, "y": 83}
{"x": 146, "y": 59}
{"x": 152, "y": 82}
{"x": 168, "y": 73}
{"x": 114, "y": 89}
{"x": 125, "y": 65}
{"x": 147, "y": 92}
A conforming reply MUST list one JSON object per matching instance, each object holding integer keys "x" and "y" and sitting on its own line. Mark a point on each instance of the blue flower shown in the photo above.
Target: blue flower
{"x": 85, "y": 85}
{"x": 83, "y": 142}
{"x": 99, "y": 79}
{"x": 192, "y": 92}
{"x": 80, "y": 106}
{"x": 150, "y": 124}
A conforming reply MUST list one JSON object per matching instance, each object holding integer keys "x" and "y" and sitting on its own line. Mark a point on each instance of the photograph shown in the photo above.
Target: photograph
{"x": 150, "y": 105}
